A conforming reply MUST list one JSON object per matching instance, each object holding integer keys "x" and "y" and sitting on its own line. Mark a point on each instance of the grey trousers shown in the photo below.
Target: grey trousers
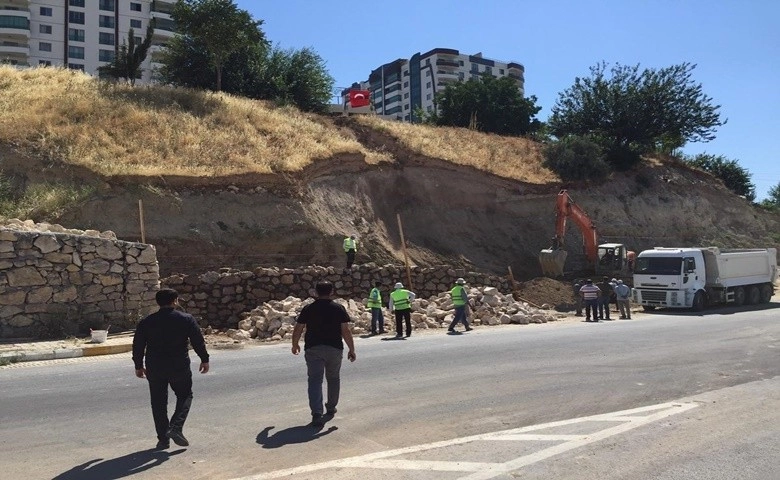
{"x": 323, "y": 361}
{"x": 625, "y": 308}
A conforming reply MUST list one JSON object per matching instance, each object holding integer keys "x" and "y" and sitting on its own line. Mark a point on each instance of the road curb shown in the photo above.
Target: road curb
{"x": 90, "y": 351}
{"x": 62, "y": 353}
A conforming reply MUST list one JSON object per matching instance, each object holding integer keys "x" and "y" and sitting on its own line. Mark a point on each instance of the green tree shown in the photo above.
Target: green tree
{"x": 487, "y": 104}
{"x": 576, "y": 158}
{"x": 219, "y": 27}
{"x": 296, "y": 77}
{"x": 129, "y": 57}
{"x": 735, "y": 177}
{"x": 630, "y": 112}
{"x": 773, "y": 198}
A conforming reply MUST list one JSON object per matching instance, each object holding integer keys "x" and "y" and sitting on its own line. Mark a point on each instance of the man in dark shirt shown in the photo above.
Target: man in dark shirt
{"x": 326, "y": 324}
{"x": 163, "y": 337}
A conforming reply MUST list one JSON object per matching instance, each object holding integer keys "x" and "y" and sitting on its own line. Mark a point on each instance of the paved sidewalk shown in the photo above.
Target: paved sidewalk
{"x": 28, "y": 351}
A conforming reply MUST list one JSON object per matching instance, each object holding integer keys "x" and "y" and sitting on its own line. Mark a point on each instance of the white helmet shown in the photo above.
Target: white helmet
{"x": 399, "y": 285}
{"x": 460, "y": 281}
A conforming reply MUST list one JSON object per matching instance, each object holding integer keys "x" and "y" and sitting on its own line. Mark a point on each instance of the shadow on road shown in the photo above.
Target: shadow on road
{"x": 300, "y": 434}
{"x": 714, "y": 310}
{"x": 119, "y": 467}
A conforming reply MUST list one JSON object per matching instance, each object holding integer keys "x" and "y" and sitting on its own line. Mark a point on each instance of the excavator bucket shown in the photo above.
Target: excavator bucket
{"x": 552, "y": 262}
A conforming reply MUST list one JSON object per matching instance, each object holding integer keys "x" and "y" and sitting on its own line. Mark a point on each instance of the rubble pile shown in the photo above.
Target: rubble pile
{"x": 30, "y": 226}
{"x": 274, "y": 320}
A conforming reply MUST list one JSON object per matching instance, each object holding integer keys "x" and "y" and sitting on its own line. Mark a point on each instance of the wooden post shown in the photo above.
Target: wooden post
{"x": 511, "y": 278}
{"x": 406, "y": 256}
{"x": 141, "y": 220}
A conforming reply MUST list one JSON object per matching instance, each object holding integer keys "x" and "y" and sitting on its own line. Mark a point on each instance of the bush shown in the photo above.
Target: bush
{"x": 576, "y": 158}
{"x": 735, "y": 177}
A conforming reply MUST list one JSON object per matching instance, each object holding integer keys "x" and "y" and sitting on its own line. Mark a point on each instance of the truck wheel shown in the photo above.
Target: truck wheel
{"x": 766, "y": 293}
{"x": 739, "y": 296}
{"x": 698, "y": 302}
{"x": 648, "y": 308}
{"x": 753, "y": 295}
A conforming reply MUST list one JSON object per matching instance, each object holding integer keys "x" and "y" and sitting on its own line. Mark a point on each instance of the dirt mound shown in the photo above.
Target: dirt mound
{"x": 543, "y": 290}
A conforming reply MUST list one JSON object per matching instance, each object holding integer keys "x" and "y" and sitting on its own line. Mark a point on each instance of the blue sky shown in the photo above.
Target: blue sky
{"x": 735, "y": 45}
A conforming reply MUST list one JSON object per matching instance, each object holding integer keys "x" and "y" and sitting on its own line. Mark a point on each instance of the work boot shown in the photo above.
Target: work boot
{"x": 178, "y": 437}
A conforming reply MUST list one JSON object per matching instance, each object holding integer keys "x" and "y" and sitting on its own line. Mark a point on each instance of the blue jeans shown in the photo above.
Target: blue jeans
{"x": 377, "y": 320}
{"x": 460, "y": 316}
{"x": 591, "y": 306}
{"x": 323, "y": 360}
{"x": 604, "y": 308}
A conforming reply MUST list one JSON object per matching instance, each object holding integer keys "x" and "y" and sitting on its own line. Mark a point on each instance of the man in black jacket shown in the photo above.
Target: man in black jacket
{"x": 163, "y": 337}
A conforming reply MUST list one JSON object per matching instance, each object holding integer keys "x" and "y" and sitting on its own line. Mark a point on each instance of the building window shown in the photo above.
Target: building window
{"x": 106, "y": 55}
{"x": 44, "y": 47}
{"x": 427, "y": 73}
{"x": 474, "y": 67}
{"x": 44, "y": 63}
{"x": 135, "y": 24}
{"x": 428, "y": 85}
{"x": 461, "y": 76}
{"x": 406, "y": 117}
{"x": 76, "y": 66}
{"x": 105, "y": 38}
{"x": 106, "y": 21}
{"x": 406, "y": 107}
{"x": 75, "y": 35}
{"x": 46, "y": 11}
{"x": 428, "y": 97}
{"x": 135, "y": 7}
{"x": 406, "y": 95}
{"x": 460, "y": 62}
{"x": 500, "y": 71}
{"x": 75, "y": 52}
{"x": 430, "y": 108}
{"x": 489, "y": 70}
{"x": 406, "y": 84}
{"x": 76, "y": 17}
{"x": 427, "y": 61}
{"x": 46, "y": 29}
{"x": 107, "y": 5}
{"x": 76, "y": 3}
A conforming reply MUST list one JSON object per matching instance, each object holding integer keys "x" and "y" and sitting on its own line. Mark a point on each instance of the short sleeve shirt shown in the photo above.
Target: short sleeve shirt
{"x": 323, "y": 319}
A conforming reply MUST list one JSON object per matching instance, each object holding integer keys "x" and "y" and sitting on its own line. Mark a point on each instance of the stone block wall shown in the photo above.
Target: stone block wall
{"x": 218, "y": 298}
{"x": 54, "y": 284}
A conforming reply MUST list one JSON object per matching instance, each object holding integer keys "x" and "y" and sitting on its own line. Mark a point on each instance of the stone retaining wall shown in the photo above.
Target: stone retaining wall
{"x": 55, "y": 284}
{"x": 218, "y": 298}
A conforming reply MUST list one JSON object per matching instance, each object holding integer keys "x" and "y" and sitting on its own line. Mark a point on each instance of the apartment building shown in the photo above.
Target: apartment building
{"x": 80, "y": 34}
{"x": 399, "y": 87}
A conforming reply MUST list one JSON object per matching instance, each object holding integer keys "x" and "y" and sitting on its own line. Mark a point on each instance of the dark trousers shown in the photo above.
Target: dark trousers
{"x": 460, "y": 316}
{"x": 323, "y": 361}
{"x": 400, "y": 317}
{"x": 377, "y": 320}
{"x": 591, "y": 307}
{"x": 604, "y": 308}
{"x": 578, "y": 304}
{"x": 180, "y": 382}
{"x": 350, "y": 258}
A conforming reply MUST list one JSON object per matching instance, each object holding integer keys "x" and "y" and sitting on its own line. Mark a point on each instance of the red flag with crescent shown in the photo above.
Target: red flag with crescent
{"x": 359, "y": 98}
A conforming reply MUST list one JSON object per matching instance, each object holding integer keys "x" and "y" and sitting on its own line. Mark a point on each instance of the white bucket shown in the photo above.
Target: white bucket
{"x": 99, "y": 336}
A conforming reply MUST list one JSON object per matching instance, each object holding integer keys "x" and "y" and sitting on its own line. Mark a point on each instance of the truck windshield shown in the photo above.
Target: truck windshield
{"x": 658, "y": 265}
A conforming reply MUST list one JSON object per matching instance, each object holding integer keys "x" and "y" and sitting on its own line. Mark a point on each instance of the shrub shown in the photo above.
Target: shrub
{"x": 576, "y": 158}
{"x": 735, "y": 177}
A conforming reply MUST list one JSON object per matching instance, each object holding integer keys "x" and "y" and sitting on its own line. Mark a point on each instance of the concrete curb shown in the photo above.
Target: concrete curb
{"x": 61, "y": 353}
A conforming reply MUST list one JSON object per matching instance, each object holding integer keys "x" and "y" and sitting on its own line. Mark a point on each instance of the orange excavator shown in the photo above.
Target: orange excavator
{"x": 612, "y": 259}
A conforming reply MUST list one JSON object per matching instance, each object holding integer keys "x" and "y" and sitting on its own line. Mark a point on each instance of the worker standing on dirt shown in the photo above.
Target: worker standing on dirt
{"x": 350, "y": 248}
{"x": 375, "y": 304}
{"x": 623, "y": 293}
{"x": 590, "y": 294}
{"x": 606, "y": 294}
{"x": 401, "y": 304}
{"x": 577, "y": 297}
{"x": 460, "y": 299}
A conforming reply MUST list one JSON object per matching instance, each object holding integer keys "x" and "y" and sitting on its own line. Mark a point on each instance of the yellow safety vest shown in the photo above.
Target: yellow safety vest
{"x": 457, "y": 295}
{"x": 350, "y": 244}
{"x": 400, "y": 299}
{"x": 375, "y": 303}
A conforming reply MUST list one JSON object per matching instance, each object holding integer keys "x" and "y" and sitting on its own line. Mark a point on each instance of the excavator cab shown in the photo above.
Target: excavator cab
{"x": 614, "y": 259}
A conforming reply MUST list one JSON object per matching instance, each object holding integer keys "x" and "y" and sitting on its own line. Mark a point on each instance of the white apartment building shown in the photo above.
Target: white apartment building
{"x": 80, "y": 34}
{"x": 399, "y": 87}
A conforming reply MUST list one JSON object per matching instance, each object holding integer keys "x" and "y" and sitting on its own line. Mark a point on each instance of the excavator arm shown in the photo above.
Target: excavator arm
{"x": 553, "y": 259}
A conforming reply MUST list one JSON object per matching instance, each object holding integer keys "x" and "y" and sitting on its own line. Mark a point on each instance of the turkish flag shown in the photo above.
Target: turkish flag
{"x": 359, "y": 98}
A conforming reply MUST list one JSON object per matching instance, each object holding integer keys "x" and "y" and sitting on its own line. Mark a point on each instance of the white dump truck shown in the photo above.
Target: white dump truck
{"x": 697, "y": 277}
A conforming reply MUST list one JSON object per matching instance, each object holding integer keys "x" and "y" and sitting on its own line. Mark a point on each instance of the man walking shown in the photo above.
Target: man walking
{"x": 375, "y": 304}
{"x": 350, "y": 248}
{"x": 326, "y": 325}
{"x": 623, "y": 293}
{"x": 401, "y": 304}
{"x": 162, "y": 338}
{"x": 460, "y": 299}
{"x": 590, "y": 294}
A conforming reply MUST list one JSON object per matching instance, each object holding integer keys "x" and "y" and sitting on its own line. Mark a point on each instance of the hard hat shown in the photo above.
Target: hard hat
{"x": 613, "y": 280}
{"x": 352, "y": 236}
{"x": 460, "y": 281}
{"x": 620, "y": 282}
{"x": 399, "y": 285}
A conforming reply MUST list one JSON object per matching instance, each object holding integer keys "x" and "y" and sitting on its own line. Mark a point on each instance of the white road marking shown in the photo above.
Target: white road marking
{"x": 626, "y": 420}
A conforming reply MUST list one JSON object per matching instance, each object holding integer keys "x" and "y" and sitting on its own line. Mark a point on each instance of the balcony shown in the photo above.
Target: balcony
{"x": 14, "y": 24}
{"x": 164, "y": 29}
{"x": 14, "y": 49}
{"x": 163, "y": 7}
{"x": 442, "y": 62}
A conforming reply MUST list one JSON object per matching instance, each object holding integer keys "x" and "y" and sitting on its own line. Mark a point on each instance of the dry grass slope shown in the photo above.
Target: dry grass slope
{"x": 509, "y": 157}
{"x": 119, "y": 130}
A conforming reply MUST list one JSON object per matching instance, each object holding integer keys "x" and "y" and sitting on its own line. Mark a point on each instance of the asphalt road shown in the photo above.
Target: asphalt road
{"x": 90, "y": 419}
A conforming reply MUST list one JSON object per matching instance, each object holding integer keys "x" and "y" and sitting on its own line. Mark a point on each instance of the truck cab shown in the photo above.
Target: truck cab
{"x": 670, "y": 277}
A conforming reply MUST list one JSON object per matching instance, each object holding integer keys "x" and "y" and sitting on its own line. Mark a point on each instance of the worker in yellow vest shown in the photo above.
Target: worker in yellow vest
{"x": 401, "y": 304}
{"x": 350, "y": 248}
{"x": 460, "y": 299}
{"x": 375, "y": 304}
